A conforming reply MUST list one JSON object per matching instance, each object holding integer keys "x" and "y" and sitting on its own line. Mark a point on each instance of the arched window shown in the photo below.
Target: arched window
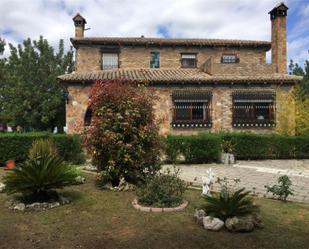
{"x": 88, "y": 115}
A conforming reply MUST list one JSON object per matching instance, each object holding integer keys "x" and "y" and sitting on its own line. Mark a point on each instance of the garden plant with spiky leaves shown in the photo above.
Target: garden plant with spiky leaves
{"x": 39, "y": 176}
{"x": 229, "y": 203}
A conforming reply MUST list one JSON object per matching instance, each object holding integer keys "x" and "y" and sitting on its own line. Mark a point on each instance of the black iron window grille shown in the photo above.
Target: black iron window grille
{"x": 254, "y": 109}
{"x": 191, "y": 109}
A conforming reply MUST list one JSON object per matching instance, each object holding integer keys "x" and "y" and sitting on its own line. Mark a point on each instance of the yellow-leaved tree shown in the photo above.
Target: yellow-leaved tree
{"x": 285, "y": 111}
{"x": 302, "y": 112}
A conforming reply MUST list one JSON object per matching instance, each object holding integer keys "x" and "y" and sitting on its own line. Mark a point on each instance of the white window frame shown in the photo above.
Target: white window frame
{"x": 110, "y": 61}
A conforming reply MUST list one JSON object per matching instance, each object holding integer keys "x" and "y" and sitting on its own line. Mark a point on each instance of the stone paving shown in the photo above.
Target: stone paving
{"x": 254, "y": 175}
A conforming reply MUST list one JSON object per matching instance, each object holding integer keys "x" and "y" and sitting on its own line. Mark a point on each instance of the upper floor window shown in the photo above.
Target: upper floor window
{"x": 229, "y": 58}
{"x": 155, "y": 60}
{"x": 191, "y": 109}
{"x": 188, "y": 60}
{"x": 253, "y": 109}
{"x": 109, "y": 61}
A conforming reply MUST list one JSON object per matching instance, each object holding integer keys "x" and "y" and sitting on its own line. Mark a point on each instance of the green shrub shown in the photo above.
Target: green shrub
{"x": 249, "y": 146}
{"x": 162, "y": 190}
{"x": 123, "y": 138}
{"x": 39, "y": 175}
{"x": 229, "y": 203}
{"x": 69, "y": 148}
{"x": 283, "y": 189}
{"x": 202, "y": 148}
{"x": 16, "y": 146}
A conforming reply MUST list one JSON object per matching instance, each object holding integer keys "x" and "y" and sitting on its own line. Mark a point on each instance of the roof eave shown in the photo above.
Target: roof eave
{"x": 89, "y": 42}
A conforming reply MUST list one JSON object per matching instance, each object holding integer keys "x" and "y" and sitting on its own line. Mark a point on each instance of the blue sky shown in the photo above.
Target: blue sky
{"x": 235, "y": 19}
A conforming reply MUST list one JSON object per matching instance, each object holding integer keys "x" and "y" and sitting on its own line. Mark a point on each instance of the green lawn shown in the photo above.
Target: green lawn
{"x": 103, "y": 219}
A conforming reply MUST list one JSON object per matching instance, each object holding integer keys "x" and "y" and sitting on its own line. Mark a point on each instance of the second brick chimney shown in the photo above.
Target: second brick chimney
{"x": 278, "y": 37}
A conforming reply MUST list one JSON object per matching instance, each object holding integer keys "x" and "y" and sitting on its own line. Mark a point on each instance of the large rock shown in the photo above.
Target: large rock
{"x": 63, "y": 200}
{"x": 2, "y": 186}
{"x": 213, "y": 224}
{"x": 20, "y": 207}
{"x": 80, "y": 180}
{"x": 243, "y": 224}
{"x": 199, "y": 214}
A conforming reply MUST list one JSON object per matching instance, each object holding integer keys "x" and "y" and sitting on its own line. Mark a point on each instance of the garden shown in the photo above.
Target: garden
{"x": 50, "y": 200}
{"x": 99, "y": 218}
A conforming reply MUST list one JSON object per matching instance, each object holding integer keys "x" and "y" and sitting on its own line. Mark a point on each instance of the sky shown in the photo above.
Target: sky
{"x": 230, "y": 19}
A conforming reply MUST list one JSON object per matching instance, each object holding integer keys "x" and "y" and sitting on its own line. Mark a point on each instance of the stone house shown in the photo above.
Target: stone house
{"x": 202, "y": 84}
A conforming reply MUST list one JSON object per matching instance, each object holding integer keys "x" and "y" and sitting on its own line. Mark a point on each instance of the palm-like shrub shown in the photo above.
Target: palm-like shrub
{"x": 40, "y": 174}
{"x": 227, "y": 204}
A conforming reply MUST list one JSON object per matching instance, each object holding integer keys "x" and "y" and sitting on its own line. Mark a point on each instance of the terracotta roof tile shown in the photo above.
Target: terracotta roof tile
{"x": 173, "y": 75}
{"x": 169, "y": 42}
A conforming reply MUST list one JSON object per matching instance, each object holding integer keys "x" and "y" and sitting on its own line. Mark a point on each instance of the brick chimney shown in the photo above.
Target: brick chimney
{"x": 79, "y": 23}
{"x": 278, "y": 37}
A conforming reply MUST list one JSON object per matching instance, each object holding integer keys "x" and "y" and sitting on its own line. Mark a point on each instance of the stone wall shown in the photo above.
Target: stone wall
{"x": 90, "y": 59}
{"x": 221, "y": 109}
{"x": 242, "y": 69}
{"x": 76, "y": 108}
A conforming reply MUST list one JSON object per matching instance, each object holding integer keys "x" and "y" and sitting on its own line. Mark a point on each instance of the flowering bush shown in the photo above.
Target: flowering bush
{"x": 162, "y": 190}
{"x": 123, "y": 137}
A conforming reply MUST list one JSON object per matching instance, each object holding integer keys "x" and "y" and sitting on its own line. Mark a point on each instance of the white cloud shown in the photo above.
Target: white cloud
{"x": 235, "y": 19}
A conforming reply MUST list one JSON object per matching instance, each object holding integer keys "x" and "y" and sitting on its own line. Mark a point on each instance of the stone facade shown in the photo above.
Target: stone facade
{"x": 221, "y": 109}
{"x": 90, "y": 58}
{"x": 221, "y": 104}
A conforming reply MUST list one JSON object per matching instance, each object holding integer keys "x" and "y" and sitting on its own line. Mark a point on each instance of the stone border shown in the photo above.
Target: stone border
{"x": 19, "y": 206}
{"x": 139, "y": 207}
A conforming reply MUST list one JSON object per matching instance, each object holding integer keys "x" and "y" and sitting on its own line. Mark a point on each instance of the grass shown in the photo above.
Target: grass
{"x": 104, "y": 219}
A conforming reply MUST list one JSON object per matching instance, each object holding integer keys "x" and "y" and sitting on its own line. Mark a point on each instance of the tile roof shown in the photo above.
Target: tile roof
{"x": 169, "y": 42}
{"x": 172, "y": 76}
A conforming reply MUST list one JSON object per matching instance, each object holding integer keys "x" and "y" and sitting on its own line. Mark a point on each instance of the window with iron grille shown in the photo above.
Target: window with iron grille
{"x": 254, "y": 109}
{"x": 155, "y": 60}
{"x": 109, "y": 61}
{"x": 191, "y": 109}
{"x": 188, "y": 60}
{"x": 229, "y": 58}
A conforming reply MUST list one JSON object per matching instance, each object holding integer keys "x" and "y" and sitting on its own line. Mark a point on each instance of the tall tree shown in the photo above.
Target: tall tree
{"x": 301, "y": 98}
{"x": 298, "y": 70}
{"x": 32, "y": 97}
{"x": 2, "y": 45}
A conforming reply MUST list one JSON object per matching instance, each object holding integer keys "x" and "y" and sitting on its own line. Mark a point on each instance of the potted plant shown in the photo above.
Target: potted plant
{"x": 227, "y": 156}
{"x": 9, "y": 164}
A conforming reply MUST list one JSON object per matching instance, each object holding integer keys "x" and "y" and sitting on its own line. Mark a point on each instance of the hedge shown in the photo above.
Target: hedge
{"x": 16, "y": 145}
{"x": 247, "y": 146}
{"x": 201, "y": 148}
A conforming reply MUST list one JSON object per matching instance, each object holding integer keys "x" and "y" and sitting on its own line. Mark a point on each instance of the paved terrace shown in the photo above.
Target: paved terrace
{"x": 254, "y": 175}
